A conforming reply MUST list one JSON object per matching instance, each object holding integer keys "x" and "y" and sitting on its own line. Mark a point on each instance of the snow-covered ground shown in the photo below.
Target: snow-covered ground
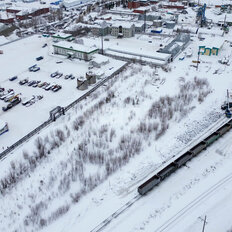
{"x": 21, "y": 55}
{"x": 89, "y": 163}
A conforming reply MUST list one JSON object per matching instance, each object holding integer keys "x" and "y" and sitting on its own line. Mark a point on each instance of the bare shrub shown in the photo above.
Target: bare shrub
{"x": 60, "y": 135}
{"x": 78, "y": 123}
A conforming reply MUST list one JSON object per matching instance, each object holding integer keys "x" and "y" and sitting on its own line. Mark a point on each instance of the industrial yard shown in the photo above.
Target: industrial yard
{"x": 115, "y": 116}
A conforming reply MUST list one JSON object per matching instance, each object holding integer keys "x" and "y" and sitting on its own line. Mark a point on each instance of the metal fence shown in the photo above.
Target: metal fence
{"x": 49, "y": 121}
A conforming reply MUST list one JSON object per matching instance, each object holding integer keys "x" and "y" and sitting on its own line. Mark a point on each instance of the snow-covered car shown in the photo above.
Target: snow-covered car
{"x": 23, "y": 82}
{"x": 54, "y": 74}
{"x": 13, "y": 78}
{"x": 13, "y": 103}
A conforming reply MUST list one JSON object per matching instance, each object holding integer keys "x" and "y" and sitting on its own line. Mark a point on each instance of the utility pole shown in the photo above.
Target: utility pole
{"x": 203, "y": 229}
{"x": 145, "y": 20}
{"x": 198, "y": 57}
{"x": 102, "y": 41}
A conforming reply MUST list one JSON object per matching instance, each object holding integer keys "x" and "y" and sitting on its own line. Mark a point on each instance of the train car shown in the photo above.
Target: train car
{"x": 212, "y": 138}
{"x": 167, "y": 171}
{"x": 230, "y": 122}
{"x": 222, "y": 130}
{"x": 148, "y": 185}
{"x": 198, "y": 148}
{"x": 183, "y": 159}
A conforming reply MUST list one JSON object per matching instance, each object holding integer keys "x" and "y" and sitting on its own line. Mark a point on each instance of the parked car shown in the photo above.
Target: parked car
{"x": 26, "y": 101}
{"x": 32, "y": 67}
{"x": 31, "y": 83}
{"x": 36, "y": 84}
{"x": 57, "y": 88}
{"x": 23, "y": 82}
{"x": 35, "y": 69}
{"x": 54, "y": 74}
{"x": 13, "y": 78}
{"x": 9, "y": 97}
{"x": 72, "y": 77}
{"x": 14, "y": 102}
{"x": 48, "y": 87}
{"x": 39, "y": 58}
{"x": 41, "y": 84}
{"x": 59, "y": 75}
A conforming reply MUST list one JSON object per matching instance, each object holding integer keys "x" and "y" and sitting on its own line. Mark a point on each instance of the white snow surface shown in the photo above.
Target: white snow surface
{"x": 42, "y": 191}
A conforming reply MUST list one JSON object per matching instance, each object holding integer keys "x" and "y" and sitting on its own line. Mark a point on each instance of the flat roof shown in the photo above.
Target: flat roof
{"x": 61, "y": 35}
{"x": 216, "y": 42}
{"x": 75, "y": 47}
{"x": 122, "y": 23}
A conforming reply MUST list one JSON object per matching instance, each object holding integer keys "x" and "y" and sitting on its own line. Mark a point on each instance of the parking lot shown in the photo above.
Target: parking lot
{"x": 40, "y": 92}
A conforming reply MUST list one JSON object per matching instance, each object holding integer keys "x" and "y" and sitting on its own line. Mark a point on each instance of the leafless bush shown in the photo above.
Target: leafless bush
{"x": 78, "y": 123}
{"x": 60, "y": 135}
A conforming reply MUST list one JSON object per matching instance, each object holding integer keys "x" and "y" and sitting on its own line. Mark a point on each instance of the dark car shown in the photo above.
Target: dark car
{"x": 45, "y": 45}
{"x": 35, "y": 69}
{"x": 23, "y": 82}
{"x": 32, "y": 68}
{"x": 31, "y": 83}
{"x": 54, "y": 74}
{"x": 39, "y": 58}
{"x": 13, "y": 78}
{"x": 225, "y": 106}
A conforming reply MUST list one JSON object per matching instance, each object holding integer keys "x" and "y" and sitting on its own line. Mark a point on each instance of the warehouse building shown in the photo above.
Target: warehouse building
{"x": 72, "y": 50}
{"x": 211, "y": 46}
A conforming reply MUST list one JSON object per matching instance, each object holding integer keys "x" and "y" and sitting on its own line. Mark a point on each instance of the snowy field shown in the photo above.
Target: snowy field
{"x": 93, "y": 159}
{"x": 89, "y": 163}
{"x": 22, "y": 54}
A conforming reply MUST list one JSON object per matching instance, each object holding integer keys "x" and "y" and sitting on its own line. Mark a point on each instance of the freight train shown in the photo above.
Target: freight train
{"x": 183, "y": 159}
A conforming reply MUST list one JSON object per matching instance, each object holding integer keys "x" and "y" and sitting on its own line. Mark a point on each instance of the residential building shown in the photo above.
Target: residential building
{"x": 122, "y": 29}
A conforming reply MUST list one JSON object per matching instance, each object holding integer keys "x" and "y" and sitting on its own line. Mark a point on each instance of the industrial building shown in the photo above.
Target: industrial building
{"x": 211, "y": 46}
{"x": 73, "y": 50}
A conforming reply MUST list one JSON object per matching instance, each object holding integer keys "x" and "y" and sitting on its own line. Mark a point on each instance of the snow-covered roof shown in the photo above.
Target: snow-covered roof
{"x": 212, "y": 42}
{"x": 61, "y": 35}
{"x": 124, "y": 24}
{"x": 75, "y": 47}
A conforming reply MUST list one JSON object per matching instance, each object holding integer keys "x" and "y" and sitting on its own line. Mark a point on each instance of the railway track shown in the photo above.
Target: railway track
{"x": 165, "y": 226}
{"x": 103, "y": 224}
{"x": 175, "y": 218}
{"x": 147, "y": 175}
